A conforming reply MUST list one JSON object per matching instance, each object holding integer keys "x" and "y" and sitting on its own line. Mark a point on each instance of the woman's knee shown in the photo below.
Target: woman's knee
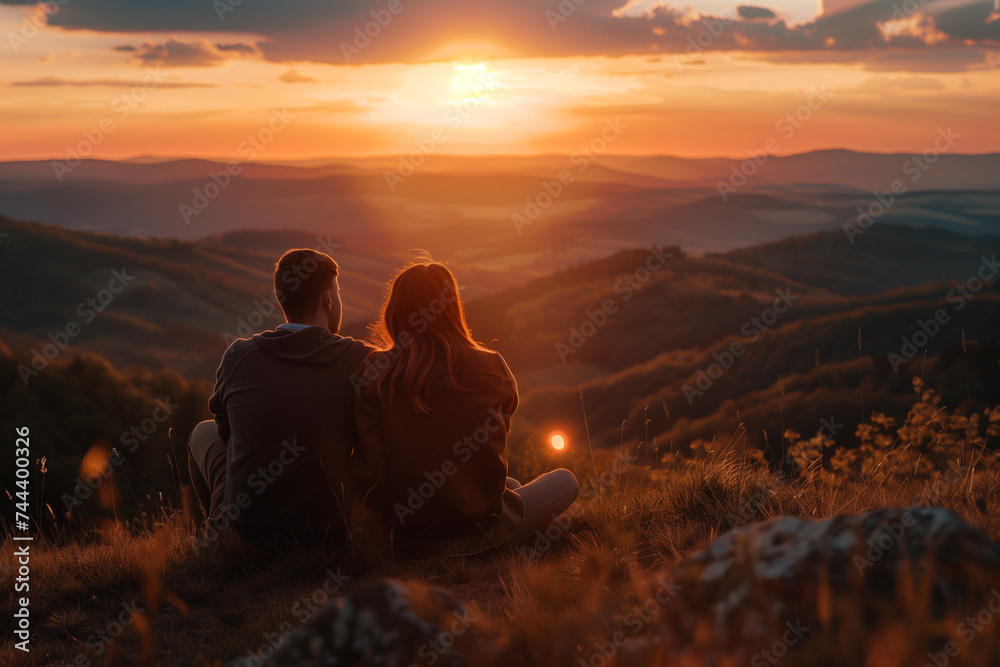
{"x": 566, "y": 481}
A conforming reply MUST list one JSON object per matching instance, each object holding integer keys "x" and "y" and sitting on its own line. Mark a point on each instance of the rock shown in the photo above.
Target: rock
{"x": 390, "y": 623}
{"x": 902, "y": 582}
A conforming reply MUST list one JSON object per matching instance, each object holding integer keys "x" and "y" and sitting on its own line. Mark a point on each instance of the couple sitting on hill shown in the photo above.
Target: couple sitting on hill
{"x": 323, "y": 440}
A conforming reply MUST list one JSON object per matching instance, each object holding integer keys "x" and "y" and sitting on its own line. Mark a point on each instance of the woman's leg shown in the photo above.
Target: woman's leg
{"x": 546, "y": 497}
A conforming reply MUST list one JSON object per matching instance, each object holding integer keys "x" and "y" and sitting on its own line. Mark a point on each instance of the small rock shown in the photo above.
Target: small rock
{"x": 830, "y": 592}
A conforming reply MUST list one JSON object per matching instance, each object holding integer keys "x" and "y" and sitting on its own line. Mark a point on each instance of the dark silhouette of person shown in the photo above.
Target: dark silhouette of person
{"x": 274, "y": 469}
{"x": 433, "y": 412}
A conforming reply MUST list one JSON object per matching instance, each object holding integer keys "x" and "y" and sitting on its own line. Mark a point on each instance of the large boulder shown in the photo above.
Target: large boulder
{"x": 388, "y": 623}
{"x": 912, "y": 586}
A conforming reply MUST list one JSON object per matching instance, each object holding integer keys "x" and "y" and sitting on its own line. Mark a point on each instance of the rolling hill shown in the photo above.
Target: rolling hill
{"x": 638, "y": 330}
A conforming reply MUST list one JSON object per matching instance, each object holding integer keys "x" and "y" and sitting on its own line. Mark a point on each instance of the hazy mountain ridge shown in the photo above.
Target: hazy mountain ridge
{"x": 456, "y": 206}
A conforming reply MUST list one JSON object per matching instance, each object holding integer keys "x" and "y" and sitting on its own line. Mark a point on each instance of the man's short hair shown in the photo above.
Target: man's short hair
{"x": 300, "y": 278}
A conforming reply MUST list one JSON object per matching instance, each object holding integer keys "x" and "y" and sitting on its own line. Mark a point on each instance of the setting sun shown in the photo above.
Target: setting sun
{"x": 557, "y": 441}
{"x": 472, "y": 82}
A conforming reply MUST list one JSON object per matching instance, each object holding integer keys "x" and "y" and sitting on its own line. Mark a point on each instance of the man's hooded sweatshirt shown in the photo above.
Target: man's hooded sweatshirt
{"x": 284, "y": 404}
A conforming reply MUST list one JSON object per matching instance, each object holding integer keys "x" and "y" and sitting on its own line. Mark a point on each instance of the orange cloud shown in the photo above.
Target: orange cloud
{"x": 196, "y": 53}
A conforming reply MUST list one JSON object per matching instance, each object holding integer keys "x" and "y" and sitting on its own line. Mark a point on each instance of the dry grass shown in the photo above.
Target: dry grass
{"x": 552, "y": 608}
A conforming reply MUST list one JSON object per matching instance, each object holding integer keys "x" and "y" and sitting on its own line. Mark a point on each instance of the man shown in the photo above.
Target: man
{"x": 275, "y": 467}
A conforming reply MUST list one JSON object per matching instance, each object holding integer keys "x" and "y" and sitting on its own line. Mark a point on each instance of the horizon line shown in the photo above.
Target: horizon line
{"x": 382, "y": 156}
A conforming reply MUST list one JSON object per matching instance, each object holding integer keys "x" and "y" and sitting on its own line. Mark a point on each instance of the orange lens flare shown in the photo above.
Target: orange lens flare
{"x": 95, "y": 463}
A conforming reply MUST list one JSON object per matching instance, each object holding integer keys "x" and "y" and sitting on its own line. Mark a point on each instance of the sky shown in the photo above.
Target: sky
{"x": 310, "y": 79}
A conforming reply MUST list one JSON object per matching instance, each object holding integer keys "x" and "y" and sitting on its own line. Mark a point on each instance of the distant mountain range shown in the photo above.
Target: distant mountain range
{"x": 507, "y": 219}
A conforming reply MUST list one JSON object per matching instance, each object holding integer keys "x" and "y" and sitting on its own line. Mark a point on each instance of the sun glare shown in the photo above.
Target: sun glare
{"x": 472, "y": 82}
{"x": 557, "y": 441}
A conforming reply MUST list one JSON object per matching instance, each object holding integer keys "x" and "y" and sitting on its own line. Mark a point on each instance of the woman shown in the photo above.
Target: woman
{"x": 433, "y": 411}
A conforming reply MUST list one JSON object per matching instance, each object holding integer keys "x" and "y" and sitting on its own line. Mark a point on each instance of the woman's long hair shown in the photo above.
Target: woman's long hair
{"x": 421, "y": 332}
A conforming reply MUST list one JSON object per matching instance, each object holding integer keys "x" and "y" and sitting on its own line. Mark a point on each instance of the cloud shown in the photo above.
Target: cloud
{"x": 915, "y": 30}
{"x": 429, "y": 30}
{"x": 196, "y": 53}
{"x": 108, "y": 83}
{"x": 237, "y": 48}
{"x": 293, "y": 76}
{"x": 126, "y": 48}
{"x": 751, "y": 13}
{"x": 895, "y": 60}
{"x": 973, "y": 21}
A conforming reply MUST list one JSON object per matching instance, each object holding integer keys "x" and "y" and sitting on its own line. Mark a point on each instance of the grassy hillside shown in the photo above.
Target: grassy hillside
{"x": 81, "y": 411}
{"x": 188, "y": 607}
